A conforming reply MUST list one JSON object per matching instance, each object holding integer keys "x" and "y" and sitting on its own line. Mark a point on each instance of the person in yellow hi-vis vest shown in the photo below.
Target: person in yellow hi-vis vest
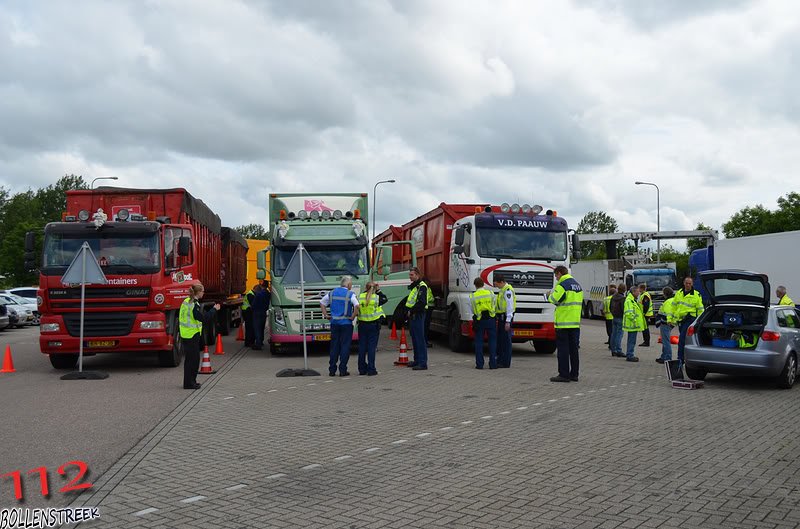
{"x": 783, "y": 298}
{"x": 482, "y": 302}
{"x": 370, "y": 312}
{"x": 646, "y": 302}
{"x": 612, "y": 289}
{"x": 190, "y": 321}
{"x": 567, "y": 296}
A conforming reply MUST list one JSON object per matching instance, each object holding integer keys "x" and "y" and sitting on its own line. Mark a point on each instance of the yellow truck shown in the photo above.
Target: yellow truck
{"x": 253, "y": 247}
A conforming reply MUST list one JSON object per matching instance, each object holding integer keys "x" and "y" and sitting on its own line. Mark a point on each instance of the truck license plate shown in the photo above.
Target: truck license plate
{"x": 102, "y": 343}
{"x": 322, "y": 338}
{"x": 523, "y": 332}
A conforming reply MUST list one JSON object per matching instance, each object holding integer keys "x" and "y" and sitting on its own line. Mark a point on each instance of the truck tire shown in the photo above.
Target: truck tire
{"x": 590, "y": 310}
{"x": 789, "y": 374}
{"x": 224, "y": 322}
{"x": 457, "y": 341}
{"x": 60, "y": 361}
{"x": 172, "y": 358}
{"x": 545, "y": 348}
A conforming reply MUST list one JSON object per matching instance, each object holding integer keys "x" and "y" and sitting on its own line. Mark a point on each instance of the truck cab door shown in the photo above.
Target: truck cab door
{"x": 390, "y": 269}
{"x": 178, "y": 252}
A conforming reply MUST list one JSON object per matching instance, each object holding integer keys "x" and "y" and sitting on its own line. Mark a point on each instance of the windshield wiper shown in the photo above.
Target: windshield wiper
{"x": 353, "y": 274}
{"x": 135, "y": 268}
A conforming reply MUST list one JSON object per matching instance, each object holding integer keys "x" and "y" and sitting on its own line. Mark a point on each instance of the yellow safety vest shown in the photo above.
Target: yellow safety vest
{"x": 246, "y": 303}
{"x": 189, "y": 326}
{"x": 786, "y": 300}
{"x": 501, "y": 299}
{"x": 633, "y": 318}
{"x": 690, "y": 304}
{"x": 668, "y": 310}
{"x": 482, "y": 301}
{"x": 430, "y": 298}
{"x": 568, "y": 310}
{"x": 649, "y": 312}
{"x": 369, "y": 311}
{"x": 607, "y": 308}
{"x": 412, "y": 296}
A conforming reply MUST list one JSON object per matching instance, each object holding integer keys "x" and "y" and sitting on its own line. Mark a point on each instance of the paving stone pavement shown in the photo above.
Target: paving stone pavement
{"x": 462, "y": 448}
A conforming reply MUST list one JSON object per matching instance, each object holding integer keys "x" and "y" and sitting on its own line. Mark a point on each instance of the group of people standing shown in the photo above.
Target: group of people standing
{"x": 492, "y": 317}
{"x": 629, "y": 310}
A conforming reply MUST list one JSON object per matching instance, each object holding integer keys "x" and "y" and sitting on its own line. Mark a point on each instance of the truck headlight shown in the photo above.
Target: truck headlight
{"x": 279, "y": 317}
{"x": 49, "y": 327}
{"x": 152, "y": 325}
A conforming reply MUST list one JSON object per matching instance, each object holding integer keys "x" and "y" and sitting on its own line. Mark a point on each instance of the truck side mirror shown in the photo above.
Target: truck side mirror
{"x": 184, "y": 246}
{"x": 576, "y": 247}
{"x": 261, "y": 259}
{"x": 460, "y": 238}
{"x": 261, "y": 275}
{"x": 30, "y": 251}
{"x": 458, "y": 249}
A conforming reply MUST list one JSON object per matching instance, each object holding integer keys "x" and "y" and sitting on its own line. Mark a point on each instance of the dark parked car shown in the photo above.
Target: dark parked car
{"x": 740, "y": 333}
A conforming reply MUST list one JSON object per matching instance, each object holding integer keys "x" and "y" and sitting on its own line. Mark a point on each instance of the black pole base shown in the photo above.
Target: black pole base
{"x": 85, "y": 375}
{"x": 289, "y": 372}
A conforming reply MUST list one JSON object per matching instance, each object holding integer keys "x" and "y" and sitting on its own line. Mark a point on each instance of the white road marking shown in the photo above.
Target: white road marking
{"x": 193, "y": 499}
{"x": 292, "y": 387}
{"x": 227, "y": 398}
{"x": 327, "y": 381}
{"x": 312, "y": 384}
{"x": 613, "y": 386}
{"x": 553, "y": 400}
{"x": 537, "y": 403}
{"x": 342, "y": 458}
{"x": 399, "y": 441}
{"x": 522, "y": 408}
{"x": 466, "y": 422}
{"x": 371, "y": 450}
{"x": 505, "y": 412}
{"x": 237, "y": 487}
{"x": 421, "y": 435}
{"x": 565, "y": 397}
{"x": 445, "y": 428}
{"x": 272, "y": 391}
{"x": 276, "y": 476}
{"x": 579, "y": 394}
{"x": 312, "y": 466}
{"x": 603, "y": 389}
{"x": 145, "y": 511}
{"x": 251, "y": 394}
{"x": 487, "y": 417}
{"x": 592, "y": 391}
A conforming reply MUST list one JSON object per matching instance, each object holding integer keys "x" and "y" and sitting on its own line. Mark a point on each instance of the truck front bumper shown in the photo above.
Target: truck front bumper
{"x": 138, "y": 340}
{"x": 523, "y": 331}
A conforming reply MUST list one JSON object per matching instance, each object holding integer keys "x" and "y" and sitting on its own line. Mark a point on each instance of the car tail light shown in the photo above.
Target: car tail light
{"x": 770, "y": 336}
{"x": 690, "y": 331}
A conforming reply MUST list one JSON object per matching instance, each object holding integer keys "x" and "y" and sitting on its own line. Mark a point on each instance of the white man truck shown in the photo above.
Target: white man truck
{"x": 455, "y": 243}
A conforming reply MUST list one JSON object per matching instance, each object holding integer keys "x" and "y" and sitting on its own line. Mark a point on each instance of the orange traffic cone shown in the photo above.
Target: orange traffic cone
{"x": 240, "y": 336}
{"x": 205, "y": 364}
{"x": 393, "y": 336}
{"x": 674, "y": 340}
{"x": 402, "y": 359}
{"x": 659, "y": 339}
{"x": 219, "y": 350}
{"x": 8, "y": 362}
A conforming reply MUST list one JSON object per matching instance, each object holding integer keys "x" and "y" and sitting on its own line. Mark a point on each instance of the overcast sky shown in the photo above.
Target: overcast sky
{"x": 560, "y": 103}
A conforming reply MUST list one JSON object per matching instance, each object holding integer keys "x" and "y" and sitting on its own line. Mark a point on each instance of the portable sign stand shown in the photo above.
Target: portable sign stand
{"x": 675, "y": 376}
{"x": 296, "y": 268}
{"x": 84, "y": 270}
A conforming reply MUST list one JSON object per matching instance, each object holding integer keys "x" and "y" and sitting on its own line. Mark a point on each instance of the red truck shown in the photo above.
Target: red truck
{"x": 151, "y": 245}
{"x": 455, "y": 243}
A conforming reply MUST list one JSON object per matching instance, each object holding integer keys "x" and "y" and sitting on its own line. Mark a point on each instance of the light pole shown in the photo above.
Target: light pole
{"x": 375, "y": 209}
{"x": 102, "y": 178}
{"x": 658, "y": 216}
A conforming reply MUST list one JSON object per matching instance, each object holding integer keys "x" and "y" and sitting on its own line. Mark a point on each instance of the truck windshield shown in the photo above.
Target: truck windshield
{"x": 655, "y": 281}
{"x": 330, "y": 260}
{"x": 522, "y": 244}
{"x": 129, "y": 253}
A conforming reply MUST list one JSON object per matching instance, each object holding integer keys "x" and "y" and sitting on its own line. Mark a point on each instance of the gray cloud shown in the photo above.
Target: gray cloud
{"x": 652, "y": 15}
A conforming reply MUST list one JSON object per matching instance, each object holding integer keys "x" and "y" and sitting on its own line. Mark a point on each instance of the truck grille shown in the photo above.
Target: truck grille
{"x": 70, "y": 298}
{"x": 519, "y": 279}
{"x": 100, "y": 324}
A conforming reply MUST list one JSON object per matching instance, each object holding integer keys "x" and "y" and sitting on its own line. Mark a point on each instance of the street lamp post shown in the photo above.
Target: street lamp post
{"x": 658, "y": 216}
{"x": 374, "y": 208}
{"x": 102, "y": 178}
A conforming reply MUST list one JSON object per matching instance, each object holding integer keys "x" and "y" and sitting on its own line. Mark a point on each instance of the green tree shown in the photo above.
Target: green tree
{"x": 253, "y": 231}
{"x": 758, "y": 220}
{"x": 681, "y": 260}
{"x": 697, "y": 243}
{"x": 597, "y": 222}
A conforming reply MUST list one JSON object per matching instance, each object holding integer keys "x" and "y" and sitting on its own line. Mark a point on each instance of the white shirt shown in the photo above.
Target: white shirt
{"x": 509, "y": 305}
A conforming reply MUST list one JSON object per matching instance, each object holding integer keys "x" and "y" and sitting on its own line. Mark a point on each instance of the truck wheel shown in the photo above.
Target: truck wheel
{"x": 273, "y": 350}
{"x": 696, "y": 373}
{"x": 789, "y": 374}
{"x": 457, "y": 341}
{"x": 172, "y": 358}
{"x": 60, "y": 361}
{"x": 545, "y": 348}
{"x": 224, "y": 322}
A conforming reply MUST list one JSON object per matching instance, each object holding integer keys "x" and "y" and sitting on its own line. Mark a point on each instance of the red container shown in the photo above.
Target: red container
{"x": 234, "y": 262}
{"x": 431, "y": 233}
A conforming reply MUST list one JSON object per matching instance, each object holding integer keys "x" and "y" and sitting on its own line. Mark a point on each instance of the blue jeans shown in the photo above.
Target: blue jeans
{"x": 504, "y": 344}
{"x": 616, "y": 335}
{"x": 259, "y": 322}
{"x": 368, "y": 333}
{"x": 684, "y": 326}
{"x": 630, "y": 352}
{"x": 482, "y": 327}
{"x": 568, "y": 359}
{"x": 341, "y": 338}
{"x": 418, "y": 342}
{"x": 666, "y": 347}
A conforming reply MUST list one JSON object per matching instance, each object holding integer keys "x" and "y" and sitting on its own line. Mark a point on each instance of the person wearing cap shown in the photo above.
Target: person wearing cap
{"x": 506, "y": 304}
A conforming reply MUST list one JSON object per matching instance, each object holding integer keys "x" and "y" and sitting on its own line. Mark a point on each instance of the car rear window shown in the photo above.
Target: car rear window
{"x": 788, "y": 318}
{"x": 25, "y": 292}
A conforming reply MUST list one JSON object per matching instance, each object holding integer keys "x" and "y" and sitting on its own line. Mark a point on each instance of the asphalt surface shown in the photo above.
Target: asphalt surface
{"x": 49, "y": 422}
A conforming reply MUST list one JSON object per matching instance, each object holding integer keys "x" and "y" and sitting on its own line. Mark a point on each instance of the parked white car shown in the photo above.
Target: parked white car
{"x": 27, "y": 297}
{"x": 19, "y": 314}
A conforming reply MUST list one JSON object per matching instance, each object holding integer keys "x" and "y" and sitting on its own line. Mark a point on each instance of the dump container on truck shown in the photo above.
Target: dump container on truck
{"x": 151, "y": 244}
